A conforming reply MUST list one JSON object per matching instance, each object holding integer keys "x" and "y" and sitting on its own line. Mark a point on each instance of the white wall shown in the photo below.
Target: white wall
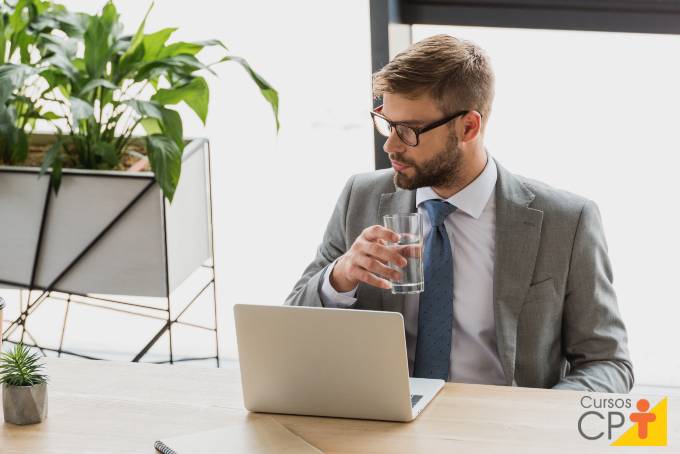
{"x": 597, "y": 114}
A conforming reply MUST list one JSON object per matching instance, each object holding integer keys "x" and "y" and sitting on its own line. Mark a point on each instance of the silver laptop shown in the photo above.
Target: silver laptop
{"x": 328, "y": 362}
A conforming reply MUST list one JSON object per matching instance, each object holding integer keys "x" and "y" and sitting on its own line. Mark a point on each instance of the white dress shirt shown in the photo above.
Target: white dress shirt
{"x": 471, "y": 230}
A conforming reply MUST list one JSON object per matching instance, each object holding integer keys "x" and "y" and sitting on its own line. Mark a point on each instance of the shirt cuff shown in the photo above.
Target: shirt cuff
{"x": 331, "y": 297}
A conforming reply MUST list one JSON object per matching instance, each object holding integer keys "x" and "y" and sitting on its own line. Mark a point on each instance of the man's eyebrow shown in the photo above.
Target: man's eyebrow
{"x": 406, "y": 122}
{"x": 410, "y": 122}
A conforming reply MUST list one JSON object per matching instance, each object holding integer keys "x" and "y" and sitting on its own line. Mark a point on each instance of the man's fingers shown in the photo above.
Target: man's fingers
{"x": 372, "y": 279}
{"x": 374, "y": 266}
{"x": 410, "y": 250}
{"x": 378, "y": 232}
{"x": 371, "y": 255}
{"x": 384, "y": 253}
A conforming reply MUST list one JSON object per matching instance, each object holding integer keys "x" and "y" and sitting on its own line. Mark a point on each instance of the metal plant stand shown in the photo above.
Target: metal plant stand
{"x": 166, "y": 314}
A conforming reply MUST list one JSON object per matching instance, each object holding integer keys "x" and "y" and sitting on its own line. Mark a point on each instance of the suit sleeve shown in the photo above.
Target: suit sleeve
{"x": 307, "y": 290}
{"x": 594, "y": 336}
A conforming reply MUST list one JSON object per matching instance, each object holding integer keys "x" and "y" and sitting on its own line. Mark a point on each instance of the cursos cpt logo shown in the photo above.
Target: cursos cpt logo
{"x": 605, "y": 418}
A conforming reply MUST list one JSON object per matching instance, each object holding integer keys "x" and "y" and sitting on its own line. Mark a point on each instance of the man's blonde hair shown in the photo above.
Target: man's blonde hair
{"x": 456, "y": 73}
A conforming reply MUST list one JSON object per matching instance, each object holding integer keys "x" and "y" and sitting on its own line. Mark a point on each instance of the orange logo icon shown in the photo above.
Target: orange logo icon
{"x": 649, "y": 426}
{"x": 642, "y": 418}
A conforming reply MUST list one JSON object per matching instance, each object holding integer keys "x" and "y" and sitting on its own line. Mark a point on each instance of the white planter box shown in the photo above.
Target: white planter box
{"x": 149, "y": 251}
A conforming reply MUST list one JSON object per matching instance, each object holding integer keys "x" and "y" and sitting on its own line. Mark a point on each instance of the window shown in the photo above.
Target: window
{"x": 596, "y": 113}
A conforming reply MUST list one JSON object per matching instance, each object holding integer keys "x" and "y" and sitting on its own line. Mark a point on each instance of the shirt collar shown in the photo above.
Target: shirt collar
{"x": 472, "y": 198}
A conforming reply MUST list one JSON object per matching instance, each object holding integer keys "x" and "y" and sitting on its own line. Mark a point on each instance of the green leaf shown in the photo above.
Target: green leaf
{"x": 13, "y": 77}
{"x": 51, "y": 156}
{"x": 43, "y": 22}
{"x": 80, "y": 110}
{"x": 109, "y": 15}
{"x": 56, "y": 175}
{"x": 20, "y": 149}
{"x": 188, "y": 48}
{"x": 54, "y": 77}
{"x": 96, "y": 83}
{"x": 3, "y": 41}
{"x": 267, "y": 91}
{"x": 191, "y": 63}
{"x": 166, "y": 162}
{"x": 49, "y": 115}
{"x": 7, "y": 125}
{"x": 151, "y": 126}
{"x": 195, "y": 94}
{"x": 18, "y": 21}
{"x": 64, "y": 64}
{"x": 172, "y": 126}
{"x": 155, "y": 42}
{"x": 59, "y": 53}
{"x": 50, "y": 43}
{"x": 169, "y": 120}
{"x": 272, "y": 98}
{"x": 146, "y": 108}
{"x": 136, "y": 42}
{"x": 73, "y": 24}
{"x": 79, "y": 64}
{"x": 127, "y": 65}
{"x": 121, "y": 45}
{"x": 24, "y": 41}
{"x": 107, "y": 151}
{"x": 179, "y": 48}
{"x": 212, "y": 42}
{"x": 53, "y": 159}
{"x": 98, "y": 40}
{"x": 179, "y": 64}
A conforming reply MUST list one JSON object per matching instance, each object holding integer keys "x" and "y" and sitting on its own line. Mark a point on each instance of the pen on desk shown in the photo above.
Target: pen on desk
{"x": 163, "y": 448}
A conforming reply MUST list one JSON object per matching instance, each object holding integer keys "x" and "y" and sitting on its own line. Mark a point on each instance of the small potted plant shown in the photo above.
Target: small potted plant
{"x": 24, "y": 386}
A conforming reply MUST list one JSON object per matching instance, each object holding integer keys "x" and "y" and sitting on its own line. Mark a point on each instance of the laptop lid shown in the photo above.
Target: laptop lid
{"x": 323, "y": 362}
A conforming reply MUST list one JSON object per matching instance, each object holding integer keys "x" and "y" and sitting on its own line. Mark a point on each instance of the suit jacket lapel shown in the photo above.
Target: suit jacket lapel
{"x": 400, "y": 201}
{"x": 518, "y": 233}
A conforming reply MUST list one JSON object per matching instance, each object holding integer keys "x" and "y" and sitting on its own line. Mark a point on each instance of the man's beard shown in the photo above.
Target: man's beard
{"x": 442, "y": 170}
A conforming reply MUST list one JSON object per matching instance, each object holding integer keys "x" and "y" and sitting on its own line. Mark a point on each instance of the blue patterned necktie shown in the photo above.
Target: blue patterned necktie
{"x": 435, "y": 313}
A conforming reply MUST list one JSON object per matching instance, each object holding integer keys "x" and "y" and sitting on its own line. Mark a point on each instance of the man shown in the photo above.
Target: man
{"x": 522, "y": 291}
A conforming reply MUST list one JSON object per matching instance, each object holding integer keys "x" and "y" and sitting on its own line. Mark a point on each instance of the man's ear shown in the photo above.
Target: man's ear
{"x": 472, "y": 125}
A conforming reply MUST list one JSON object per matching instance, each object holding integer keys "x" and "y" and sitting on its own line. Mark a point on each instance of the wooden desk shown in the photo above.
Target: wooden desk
{"x": 106, "y": 407}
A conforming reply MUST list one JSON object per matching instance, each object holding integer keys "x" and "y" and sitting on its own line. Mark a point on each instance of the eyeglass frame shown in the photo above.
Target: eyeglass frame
{"x": 417, "y": 131}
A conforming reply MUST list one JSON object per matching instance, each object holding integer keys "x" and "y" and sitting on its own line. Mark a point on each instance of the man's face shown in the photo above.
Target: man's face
{"x": 436, "y": 160}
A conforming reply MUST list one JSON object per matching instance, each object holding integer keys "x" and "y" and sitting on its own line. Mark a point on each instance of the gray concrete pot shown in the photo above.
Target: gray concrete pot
{"x": 24, "y": 404}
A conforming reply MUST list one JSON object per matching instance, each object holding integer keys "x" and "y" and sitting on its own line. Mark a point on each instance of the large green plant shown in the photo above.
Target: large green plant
{"x": 96, "y": 85}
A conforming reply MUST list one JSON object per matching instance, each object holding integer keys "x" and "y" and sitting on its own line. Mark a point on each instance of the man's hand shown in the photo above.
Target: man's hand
{"x": 367, "y": 259}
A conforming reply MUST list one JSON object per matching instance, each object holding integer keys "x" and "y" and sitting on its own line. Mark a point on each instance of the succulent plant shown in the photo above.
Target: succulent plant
{"x": 21, "y": 367}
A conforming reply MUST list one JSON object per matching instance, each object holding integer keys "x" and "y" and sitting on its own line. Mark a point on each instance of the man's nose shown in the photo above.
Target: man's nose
{"x": 394, "y": 144}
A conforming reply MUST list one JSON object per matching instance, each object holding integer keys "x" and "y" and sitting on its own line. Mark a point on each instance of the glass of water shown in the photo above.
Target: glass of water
{"x": 409, "y": 226}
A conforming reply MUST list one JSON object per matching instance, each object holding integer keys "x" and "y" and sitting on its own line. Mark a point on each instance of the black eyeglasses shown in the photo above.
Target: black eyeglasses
{"x": 408, "y": 134}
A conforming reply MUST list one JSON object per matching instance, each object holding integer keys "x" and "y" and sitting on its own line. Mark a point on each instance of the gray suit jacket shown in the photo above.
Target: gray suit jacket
{"x": 557, "y": 320}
